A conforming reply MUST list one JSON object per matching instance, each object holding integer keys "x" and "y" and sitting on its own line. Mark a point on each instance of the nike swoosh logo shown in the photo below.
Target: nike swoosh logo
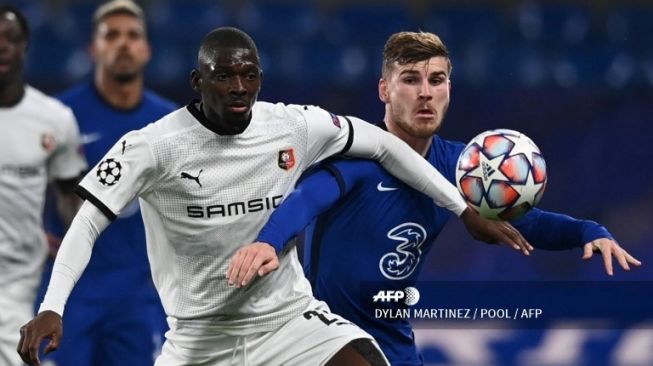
{"x": 381, "y": 188}
{"x": 88, "y": 138}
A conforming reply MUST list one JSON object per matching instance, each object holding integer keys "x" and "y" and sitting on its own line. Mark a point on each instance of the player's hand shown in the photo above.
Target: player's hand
{"x": 252, "y": 259}
{"x": 608, "y": 249}
{"x": 494, "y": 232}
{"x": 46, "y": 325}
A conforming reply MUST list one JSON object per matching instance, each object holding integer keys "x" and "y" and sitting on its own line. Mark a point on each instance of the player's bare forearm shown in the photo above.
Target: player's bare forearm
{"x": 609, "y": 249}
{"x": 494, "y": 232}
{"x": 67, "y": 205}
{"x": 54, "y": 242}
{"x": 249, "y": 261}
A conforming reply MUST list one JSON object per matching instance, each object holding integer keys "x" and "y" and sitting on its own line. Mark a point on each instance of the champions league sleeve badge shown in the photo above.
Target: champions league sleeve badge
{"x": 108, "y": 172}
{"x": 335, "y": 120}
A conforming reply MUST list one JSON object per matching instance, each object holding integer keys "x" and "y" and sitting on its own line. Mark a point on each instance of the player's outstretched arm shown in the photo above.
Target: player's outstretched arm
{"x": 72, "y": 259}
{"x": 554, "y": 231}
{"x": 404, "y": 163}
{"x": 313, "y": 195}
{"x": 46, "y": 325}
{"x": 609, "y": 249}
{"x": 400, "y": 160}
{"x": 494, "y": 232}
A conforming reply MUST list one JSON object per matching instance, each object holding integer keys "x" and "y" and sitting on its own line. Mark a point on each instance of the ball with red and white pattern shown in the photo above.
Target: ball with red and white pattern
{"x": 502, "y": 174}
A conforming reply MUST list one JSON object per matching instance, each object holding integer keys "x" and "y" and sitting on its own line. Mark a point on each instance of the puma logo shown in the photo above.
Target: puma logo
{"x": 185, "y": 175}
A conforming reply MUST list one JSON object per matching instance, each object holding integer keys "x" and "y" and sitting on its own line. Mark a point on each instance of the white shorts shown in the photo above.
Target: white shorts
{"x": 312, "y": 338}
{"x": 17, "y": 308}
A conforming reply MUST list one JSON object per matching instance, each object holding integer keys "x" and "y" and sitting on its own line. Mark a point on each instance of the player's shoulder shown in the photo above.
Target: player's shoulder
{"x": 177, "y": 121}
{"x": 353, "y": 166}
{"x": 291, "y": 112}
{"x": 157, "y": 101}
{"x": 47, "y": 106}
{"x": 266, "y": 111}
{"x": 78, "y": 93}
{"x": 445, "y": 145}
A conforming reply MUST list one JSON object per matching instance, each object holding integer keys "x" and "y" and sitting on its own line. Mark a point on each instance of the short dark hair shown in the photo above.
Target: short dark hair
{"x": 225, "y": 37}
{"x": 411, "y": 47}
{"x": 114, "y": 7}
{"x": 22, "y": 21}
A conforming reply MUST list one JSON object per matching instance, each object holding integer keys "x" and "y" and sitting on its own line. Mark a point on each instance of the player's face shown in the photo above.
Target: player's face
{"x": 120, "y": 47}
{"x": 229, "y": 84}
{"x": 417, "y": 96}
{"x": 13, "y": 46}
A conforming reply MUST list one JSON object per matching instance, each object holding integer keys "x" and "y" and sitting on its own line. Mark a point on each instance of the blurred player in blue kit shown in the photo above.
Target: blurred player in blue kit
{"x": 114, "y": 315}
{"x": 367, "y": 226}
{"x": 39, "y": 143}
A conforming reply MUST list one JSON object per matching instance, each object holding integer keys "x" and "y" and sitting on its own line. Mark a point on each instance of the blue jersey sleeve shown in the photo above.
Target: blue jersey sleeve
{"x": 314, "y": 194}
{"x": 554, "y": 231}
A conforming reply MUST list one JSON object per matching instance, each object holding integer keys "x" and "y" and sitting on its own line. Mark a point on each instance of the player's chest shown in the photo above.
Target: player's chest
{"x": 390, "y": 200}
{"x": 235, "y": 167}
{"x": 27, "y": 145}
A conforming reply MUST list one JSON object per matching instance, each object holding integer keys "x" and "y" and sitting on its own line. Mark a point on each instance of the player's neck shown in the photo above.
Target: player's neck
{"x": 419, "y": 144}
{"x": 12, "y": 93}
{"x": 119, "y": 95}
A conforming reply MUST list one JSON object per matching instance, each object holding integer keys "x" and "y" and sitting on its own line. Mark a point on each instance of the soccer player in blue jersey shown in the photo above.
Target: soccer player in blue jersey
{"x": 115, "y": 315}
{"x": 363, "y": 209}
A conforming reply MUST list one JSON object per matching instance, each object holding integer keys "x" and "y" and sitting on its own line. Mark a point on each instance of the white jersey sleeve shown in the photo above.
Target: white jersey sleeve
{"x": 403, "y": 162}
{"x": 328, "y": 134}
{"x": 73, "y": 256}
{"x": 124, "y": 173}
{"x": 67, "y": 160}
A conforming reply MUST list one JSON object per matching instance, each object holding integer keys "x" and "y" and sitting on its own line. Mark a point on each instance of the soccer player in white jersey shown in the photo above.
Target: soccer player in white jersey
{"x": 39, "y": 141}
{"x": 208, "y": 177}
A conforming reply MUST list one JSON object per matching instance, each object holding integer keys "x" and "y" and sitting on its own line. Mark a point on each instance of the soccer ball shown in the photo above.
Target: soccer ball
{"x": 501, "y": 174}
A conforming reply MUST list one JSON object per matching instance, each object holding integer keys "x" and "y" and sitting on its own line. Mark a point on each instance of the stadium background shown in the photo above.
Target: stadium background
{"x": 576, "y": 76}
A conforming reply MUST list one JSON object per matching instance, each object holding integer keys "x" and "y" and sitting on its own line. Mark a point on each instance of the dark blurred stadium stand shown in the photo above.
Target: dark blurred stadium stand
{"x": 576, "y": 76}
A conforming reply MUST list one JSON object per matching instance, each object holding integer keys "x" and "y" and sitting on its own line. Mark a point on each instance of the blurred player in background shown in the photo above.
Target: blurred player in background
{"x": 39, "y": 141}
{"x": 371, "y": 222}
{"x": 208, "y": 176}
{"x": 114, "y": 315}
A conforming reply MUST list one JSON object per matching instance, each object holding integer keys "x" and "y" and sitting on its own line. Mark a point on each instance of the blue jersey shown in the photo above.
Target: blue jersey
{"x": 119, "y": 262}
{"x": 374, "y": 229}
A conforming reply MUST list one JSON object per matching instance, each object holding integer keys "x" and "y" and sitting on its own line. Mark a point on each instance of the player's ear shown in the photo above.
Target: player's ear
{"x": 383, "y": 90}
{"x": 148, "y": 52}
{"x": 195, "y": 80}
{"x": 91, "y": 51}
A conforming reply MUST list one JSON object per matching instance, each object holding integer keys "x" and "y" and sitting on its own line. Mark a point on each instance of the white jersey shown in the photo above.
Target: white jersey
{"x": 205, "y": 195}
{"x": 39, "y": 139}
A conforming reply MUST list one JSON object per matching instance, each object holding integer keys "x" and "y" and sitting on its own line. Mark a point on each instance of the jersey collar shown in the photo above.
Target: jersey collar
{"x": 194, "y": 109}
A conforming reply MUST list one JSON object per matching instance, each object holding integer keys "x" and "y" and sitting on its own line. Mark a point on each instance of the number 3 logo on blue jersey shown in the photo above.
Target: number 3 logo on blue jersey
{"x": 401, "y": 262}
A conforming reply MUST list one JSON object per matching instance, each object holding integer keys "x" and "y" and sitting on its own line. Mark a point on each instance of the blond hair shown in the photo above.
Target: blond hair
{"x": 411, "y": 47}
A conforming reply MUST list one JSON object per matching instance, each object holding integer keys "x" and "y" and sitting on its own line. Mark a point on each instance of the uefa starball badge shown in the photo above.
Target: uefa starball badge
{"x": 108, "y": 172}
